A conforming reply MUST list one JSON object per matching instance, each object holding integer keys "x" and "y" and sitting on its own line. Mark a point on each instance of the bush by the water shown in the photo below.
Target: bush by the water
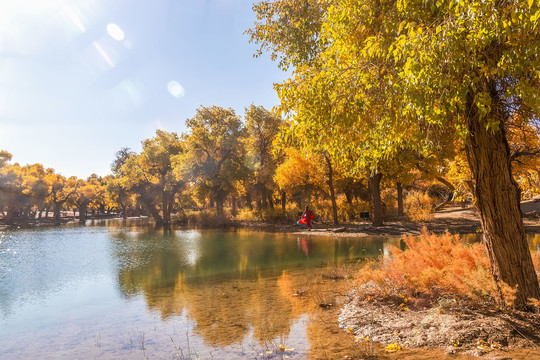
{"x": 437, "y": 265}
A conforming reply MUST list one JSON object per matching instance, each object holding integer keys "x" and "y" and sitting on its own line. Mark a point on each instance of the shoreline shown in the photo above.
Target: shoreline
{"x": 455, "y": 220}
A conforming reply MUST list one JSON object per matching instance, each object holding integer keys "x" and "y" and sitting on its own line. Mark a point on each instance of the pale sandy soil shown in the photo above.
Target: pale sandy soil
{"x": 452, "y": 327}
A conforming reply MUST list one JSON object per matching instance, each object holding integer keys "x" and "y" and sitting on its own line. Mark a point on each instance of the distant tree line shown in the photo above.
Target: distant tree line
{"x": 250, "y": 165}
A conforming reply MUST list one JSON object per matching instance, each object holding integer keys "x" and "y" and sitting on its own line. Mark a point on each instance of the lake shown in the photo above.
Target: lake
{"x": 114, "y": 290}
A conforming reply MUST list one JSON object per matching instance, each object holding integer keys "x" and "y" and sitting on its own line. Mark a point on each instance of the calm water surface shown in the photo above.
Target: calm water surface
{"x": 116, "y": 291}
{"x": 111, "y": 291}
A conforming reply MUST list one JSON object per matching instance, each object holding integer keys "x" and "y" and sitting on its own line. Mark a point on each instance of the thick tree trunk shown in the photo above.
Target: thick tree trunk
{"x": 248, "y": 201}
{"x": 82, "y": 212}
{"x": 152, "y": 211}
{"x": 375, "y": 194}
{"x": 270, "y": 199}
{"x": 164, "y": 208}
{"x": 57, "y": 207}
{"x": 498, "y": 197}
{"x": 283, "y": 200}
{"x": 331, "y": 186}
{"x": 10, "y": 216}
{"x": 400, "y": 211}
{"x": 348, "y": 196}
{"x": 220, "y": 199}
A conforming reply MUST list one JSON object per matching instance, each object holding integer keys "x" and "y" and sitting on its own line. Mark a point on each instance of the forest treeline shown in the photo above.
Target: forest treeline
{"x": 224, "y": 166}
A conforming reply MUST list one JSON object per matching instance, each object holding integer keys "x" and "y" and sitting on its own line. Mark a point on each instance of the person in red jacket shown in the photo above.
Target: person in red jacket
{"x": 306, "y": 218}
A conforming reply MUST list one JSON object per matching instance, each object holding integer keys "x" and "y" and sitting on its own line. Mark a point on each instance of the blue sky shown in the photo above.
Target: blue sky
{"x": 80, "y": 79}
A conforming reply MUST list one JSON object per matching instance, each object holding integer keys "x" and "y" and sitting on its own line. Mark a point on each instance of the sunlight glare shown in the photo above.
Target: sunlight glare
{"x": 75, "y": 18}
{"x": 115, "y": 32}
{"x": 103, "y": 54}
{"x": 175, "y": 89}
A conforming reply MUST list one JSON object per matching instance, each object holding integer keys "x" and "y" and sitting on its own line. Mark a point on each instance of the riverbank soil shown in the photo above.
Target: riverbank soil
{"x": 451, "y": 325}
{"x": 454, "y": 219}
{"x": 353, "y": 326}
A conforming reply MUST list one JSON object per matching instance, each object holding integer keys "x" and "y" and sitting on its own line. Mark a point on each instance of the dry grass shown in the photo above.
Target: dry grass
{"x": 207, "y": 217}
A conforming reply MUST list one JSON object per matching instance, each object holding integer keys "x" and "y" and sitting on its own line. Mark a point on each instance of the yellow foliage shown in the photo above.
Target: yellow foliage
{"x": 298, "y": 174}
{"x": 418, "y": 206}
{"x": 393, "y": 347}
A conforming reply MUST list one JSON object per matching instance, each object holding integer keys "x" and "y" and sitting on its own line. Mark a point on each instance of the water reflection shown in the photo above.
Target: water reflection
{"x": 230, "y": 284}
{"x": 162, "y": 256}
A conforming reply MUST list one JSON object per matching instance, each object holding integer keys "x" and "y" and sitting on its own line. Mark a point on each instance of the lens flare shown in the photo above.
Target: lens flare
{"x": 75, "y": 18}
{"x": 115, "y": 32}
{"x": 103, "y": 54}
{"x": 175, "y": 89}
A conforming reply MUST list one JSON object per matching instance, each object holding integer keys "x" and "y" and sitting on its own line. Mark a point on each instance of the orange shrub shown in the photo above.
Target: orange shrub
{"x": 437, "y": 265}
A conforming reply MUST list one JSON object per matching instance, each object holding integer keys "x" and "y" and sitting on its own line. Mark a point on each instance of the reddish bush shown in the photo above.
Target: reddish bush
{"x": 437, "y": 265}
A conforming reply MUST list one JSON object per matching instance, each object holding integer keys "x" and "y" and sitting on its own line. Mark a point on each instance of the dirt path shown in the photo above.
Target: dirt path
{"x": 454, "y": 219}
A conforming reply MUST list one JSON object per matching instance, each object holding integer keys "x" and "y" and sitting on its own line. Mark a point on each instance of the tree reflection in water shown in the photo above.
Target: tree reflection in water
{"x": 232, "y": 284}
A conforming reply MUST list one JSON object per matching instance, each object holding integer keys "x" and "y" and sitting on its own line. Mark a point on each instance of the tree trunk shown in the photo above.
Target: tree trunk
{"x": 82, "y": 212}
{"x": 164, "y": 208}
{"x": 248, "y": 201}
{"x": 170, "y": 206}
{"x": 331, "y": 186}
{"x": 498, "y": 197}
{"x": 375, "y": 194}
{"x": 10, "y": 216}
{"x": 220, "y": 199}
{"x": 57, "y": 207}
{"x": 400, "y": 211}
{"x": 283, "y": 200}
{"x": 152, "y": 211}
{"x": 164, "y": 202}
{"x": 270, "y": 200}
{"x": 264, "y": 204}
{"x": 538, "y": 175}
{"x": 348, "y": 196}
